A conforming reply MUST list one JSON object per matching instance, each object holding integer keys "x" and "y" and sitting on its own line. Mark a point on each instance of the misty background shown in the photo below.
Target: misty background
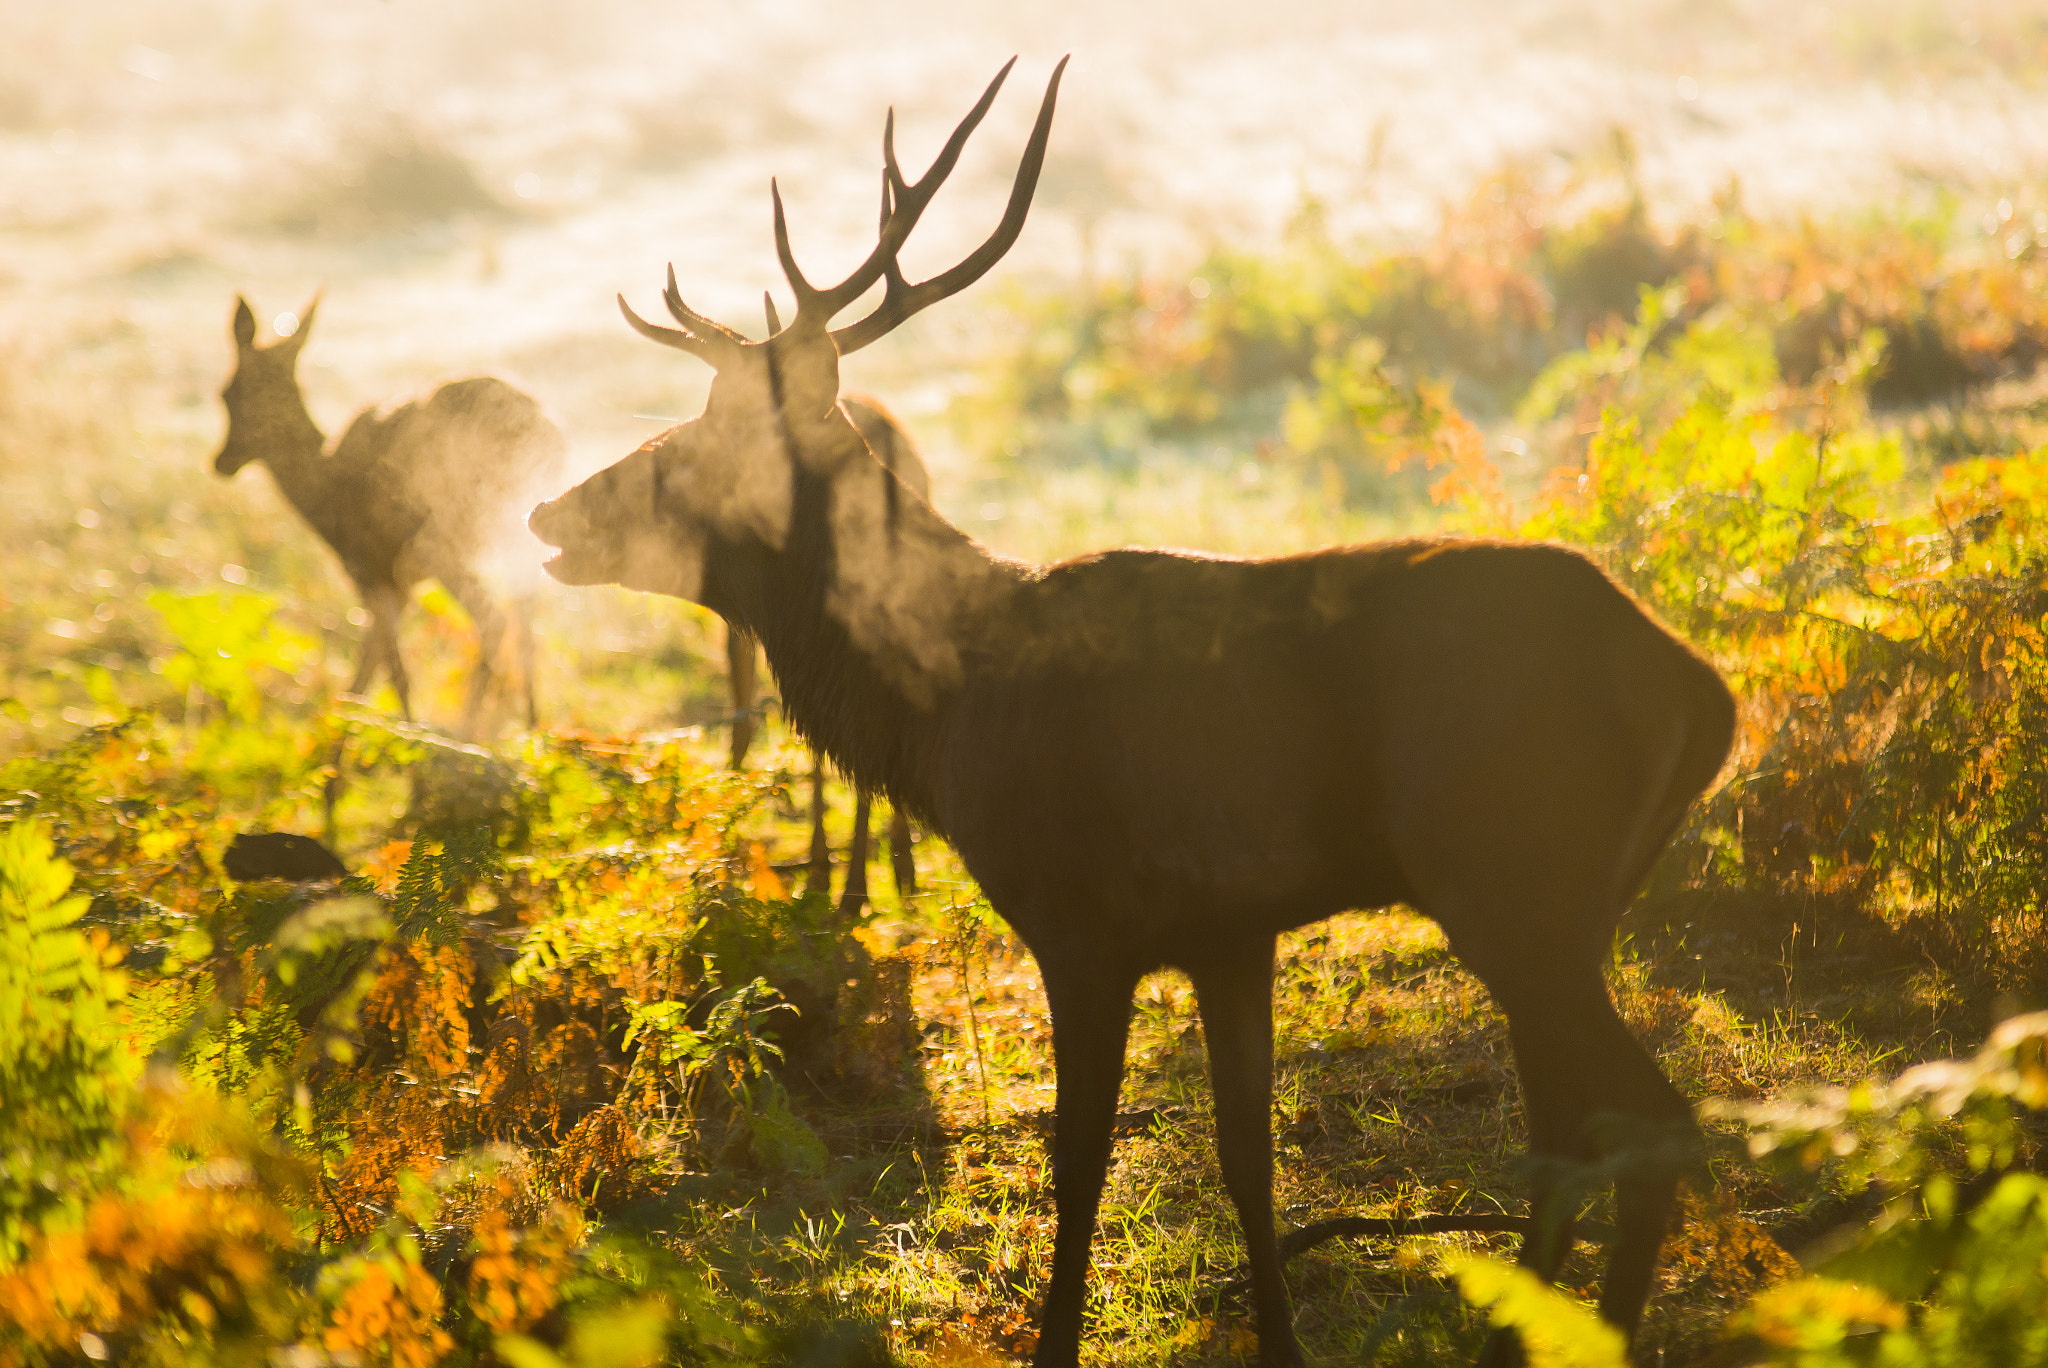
{"x": 470, "y": 184}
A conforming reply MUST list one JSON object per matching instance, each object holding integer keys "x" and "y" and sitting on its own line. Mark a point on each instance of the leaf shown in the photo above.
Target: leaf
{"x": 1557, "y": 1331}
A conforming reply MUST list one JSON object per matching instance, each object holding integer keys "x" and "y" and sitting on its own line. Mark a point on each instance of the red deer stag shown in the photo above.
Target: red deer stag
{"x": 1153, "y": 758}
{"x": 898, "y": 454}
{"x": 417, "y": 490}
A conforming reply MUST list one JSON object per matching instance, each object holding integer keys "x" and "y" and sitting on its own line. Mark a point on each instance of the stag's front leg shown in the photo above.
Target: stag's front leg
{"x": 902, "y": 861}
{"x": 818, "y": 877}
{"x": 1235, "y": 994}
{"x": 854, "y": 896}
{"x": 740, "y": 653}
{"x": 1091, "y": 1016}
{"x": 373, "y": 650}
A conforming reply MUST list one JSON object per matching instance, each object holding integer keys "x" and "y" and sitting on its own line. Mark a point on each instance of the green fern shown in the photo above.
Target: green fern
{"x": 64, "y": 1071}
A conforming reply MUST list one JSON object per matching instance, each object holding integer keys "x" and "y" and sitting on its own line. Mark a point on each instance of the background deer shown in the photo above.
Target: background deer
{"x": 417, "y": 490}
{"x": 891, "y": 446}
{"x": 1156, "y": 758}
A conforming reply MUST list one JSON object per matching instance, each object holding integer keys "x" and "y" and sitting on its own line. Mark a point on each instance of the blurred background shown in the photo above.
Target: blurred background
{"x": 470, "y": 183}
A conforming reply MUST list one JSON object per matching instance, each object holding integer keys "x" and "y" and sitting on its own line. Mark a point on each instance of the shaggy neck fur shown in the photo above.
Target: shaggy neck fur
{"x": 873, "y": 614}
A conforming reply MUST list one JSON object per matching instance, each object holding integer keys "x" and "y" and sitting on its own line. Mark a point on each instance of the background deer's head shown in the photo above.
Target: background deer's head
{"x": 266, "y": 412}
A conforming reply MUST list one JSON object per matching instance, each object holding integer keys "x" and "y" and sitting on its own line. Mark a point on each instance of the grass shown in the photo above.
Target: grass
{"x": 1394, "y": 1095}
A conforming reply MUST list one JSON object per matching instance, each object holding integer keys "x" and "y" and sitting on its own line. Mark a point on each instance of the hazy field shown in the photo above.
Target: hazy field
{"x": 471, "y": 185}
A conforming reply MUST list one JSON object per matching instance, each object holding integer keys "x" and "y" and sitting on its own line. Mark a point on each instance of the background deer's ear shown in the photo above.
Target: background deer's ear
{"x": 245, "y": 324}
{"x": 291, "y": 345}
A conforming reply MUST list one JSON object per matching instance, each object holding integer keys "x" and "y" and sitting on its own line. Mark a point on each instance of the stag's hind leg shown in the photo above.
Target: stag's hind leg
{"x": 1592, "y": 1095}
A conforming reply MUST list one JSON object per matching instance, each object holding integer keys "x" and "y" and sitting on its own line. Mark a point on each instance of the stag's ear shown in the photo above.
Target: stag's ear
{"x": 245, "y": 324}
{"x": 291, "y": 345}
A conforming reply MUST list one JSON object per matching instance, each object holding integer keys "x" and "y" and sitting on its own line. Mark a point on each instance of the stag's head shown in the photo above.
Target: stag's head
{"x": 265, "y": 408}
{"x": 728, "y": 476}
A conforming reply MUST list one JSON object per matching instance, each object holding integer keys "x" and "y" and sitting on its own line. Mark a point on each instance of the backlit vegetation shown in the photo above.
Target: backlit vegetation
{"x": 570, "y": 1071}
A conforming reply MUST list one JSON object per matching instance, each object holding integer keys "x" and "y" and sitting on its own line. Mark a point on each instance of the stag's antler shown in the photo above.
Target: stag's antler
{"x": 902, "y": 204}
{"x": 706, "y": 339}
{"x": 900, "y": 200}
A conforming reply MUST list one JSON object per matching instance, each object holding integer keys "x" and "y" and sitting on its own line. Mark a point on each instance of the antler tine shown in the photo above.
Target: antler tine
{"x": 903, "y": 203}
{"x": 805, "y": 291}
{"x": 913, "y": 198}
{"x": 698, "y": 324}
{"x": 903, "y": 299}
{"x": 702, "y": 348}
{"x": 768, "y": 303}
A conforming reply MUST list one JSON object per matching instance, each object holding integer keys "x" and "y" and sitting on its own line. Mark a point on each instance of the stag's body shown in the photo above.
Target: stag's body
{"x": 414, "y": 490}
{"x": 1153, "y": 758}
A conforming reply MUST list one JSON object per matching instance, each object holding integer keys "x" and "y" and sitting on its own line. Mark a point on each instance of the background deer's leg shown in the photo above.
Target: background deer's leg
{"x": 740, "y": 653}
{"x": 1235, "y": 994}
{"x": 902, "y": 857}
{"x": 854, "y": 896}
{"x": 386, "y": 605}
{"x": 1091, "y": 1015}
{"x": 370, "y": 658}
{"x": 489, "y": 619}
{"x": 818, "y": 879}
{"x": 372, "y": 653}
{"x": 522, "y": 616}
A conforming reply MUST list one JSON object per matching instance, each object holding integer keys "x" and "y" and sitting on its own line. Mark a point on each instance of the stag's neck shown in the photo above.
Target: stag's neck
{"x": 874, "y": 614}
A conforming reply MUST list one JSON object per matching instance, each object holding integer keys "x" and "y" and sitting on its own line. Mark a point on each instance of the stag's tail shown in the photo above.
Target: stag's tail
{"x": 1692, "y": 728}
{"x": 1710, "y": 727}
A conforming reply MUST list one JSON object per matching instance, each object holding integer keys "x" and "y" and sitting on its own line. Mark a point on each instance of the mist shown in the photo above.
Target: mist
{"x": 470, "y": 187}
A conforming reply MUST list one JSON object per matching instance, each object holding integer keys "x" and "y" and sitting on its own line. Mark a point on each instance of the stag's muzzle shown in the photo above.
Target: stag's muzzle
{"x": 579, "y": 559}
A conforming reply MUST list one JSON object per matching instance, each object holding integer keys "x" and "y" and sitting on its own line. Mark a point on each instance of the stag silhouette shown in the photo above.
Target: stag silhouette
{"x": 1153, "y": 758}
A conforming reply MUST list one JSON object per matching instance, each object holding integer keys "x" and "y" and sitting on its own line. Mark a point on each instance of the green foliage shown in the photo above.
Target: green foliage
{"x": 733, "y": 1055}
{"x": 1556, "y": 1331}
{"x": 64, "y": 1073}
{"x": 548, "y": 984}
{"x": 434, "y": 885}
{"x": 1953, "y": 1272}
{"x": 1326, "y": 353}
{"x": 230, "y": 645}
